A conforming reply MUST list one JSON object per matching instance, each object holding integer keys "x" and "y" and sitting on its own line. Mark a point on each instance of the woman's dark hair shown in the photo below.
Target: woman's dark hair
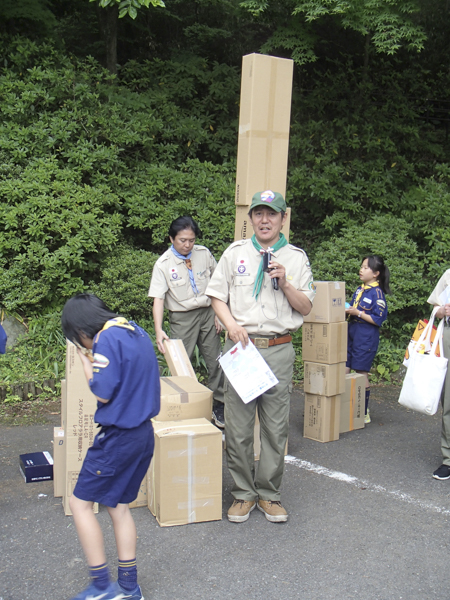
{"x": 376, "y": 263}
{"x": 184, "y": 223}
{"x": 84, "y": 313}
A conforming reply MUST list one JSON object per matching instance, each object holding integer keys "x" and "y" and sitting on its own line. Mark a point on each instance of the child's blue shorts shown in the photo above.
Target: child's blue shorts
{"x": 115, "y": 465}
{"x": 363, "y": 340}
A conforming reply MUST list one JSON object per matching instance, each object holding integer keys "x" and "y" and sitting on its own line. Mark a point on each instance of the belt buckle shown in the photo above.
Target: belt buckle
{"x": 261, "y": 343}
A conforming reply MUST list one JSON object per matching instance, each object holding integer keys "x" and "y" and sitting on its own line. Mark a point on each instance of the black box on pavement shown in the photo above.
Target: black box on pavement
{"x": 36, "y": 466}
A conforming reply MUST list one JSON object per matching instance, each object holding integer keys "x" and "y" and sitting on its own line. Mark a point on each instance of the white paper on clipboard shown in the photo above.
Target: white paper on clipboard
{"x": 247, "y": 371}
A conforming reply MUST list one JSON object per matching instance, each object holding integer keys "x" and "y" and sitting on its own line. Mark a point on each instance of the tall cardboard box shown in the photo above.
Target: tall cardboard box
{"x": 322, "y": 417}
{"x": 353, "y": 403}
{"x": 264, "y": 122}
{"x": 80, "y": 428}
{"x": 177, "y": 359}
{"x": 329, "y": 303}
{"x": 323, "y": 379}
{"x": 185, "y": 477}
{"x": 184, "y": 398}
{"x": 324, "y": 343}
{"x": 243, "y": 229}
{"x": 59, "y": 462}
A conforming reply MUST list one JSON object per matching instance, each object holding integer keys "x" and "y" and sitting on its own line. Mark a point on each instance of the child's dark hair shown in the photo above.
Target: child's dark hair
{"x": 84, "y": 313}
{"x": 376, "y": 263}
{"x": 184, "y": 223}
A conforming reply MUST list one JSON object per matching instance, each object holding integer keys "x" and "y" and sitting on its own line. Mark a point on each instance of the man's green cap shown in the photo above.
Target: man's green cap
{"x": 270, "y": 199}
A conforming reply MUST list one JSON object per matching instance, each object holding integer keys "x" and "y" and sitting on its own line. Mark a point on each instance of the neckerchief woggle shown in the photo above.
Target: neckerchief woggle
{"x": 186, "y": 259}
{"x": 260, "y": 274}
{"x": 362, "y": 290}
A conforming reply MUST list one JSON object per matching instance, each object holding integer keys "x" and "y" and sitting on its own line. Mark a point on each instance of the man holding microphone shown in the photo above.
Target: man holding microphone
{"x": 254, "y": 310}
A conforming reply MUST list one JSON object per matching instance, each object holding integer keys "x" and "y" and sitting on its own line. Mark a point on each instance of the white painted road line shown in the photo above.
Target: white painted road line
{"x": 304, "y": 464}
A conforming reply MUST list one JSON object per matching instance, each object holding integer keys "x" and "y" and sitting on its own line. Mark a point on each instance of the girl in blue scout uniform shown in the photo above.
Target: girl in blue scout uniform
{"x": 3, "y": 338}
{"x": 122, "y": 372}
{"x": 367, "y": 313}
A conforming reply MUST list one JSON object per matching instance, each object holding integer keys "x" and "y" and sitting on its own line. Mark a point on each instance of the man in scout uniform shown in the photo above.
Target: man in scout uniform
{"x": 255, "y": 310}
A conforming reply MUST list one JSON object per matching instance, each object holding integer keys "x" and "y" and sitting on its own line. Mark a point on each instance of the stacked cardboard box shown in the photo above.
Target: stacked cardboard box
{"x": 324, "y": 350}
{"x": 76, "y": 434}
{"x": 184, "y": 481}
{"x": 263, "y": 142}
{"x": 353, "y": 403}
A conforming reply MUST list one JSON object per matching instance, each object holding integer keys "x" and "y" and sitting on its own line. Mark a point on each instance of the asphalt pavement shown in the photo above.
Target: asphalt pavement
{"x": 366, "y": 521}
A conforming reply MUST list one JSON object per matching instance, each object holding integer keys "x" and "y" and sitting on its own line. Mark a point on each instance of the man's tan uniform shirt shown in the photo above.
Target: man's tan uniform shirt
{"x": 170, "y": 280}
{"x": 443, "y": 283}
{"x": 234, "y": 280}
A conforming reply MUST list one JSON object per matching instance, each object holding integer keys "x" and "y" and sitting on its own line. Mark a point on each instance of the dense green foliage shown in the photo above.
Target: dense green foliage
{"x": 94, "y": 166}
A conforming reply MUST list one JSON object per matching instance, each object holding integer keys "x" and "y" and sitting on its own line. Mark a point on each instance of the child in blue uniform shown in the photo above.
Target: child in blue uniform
{"x": 122, "y": 372}
{"x": 3, "y": 339}
{"x": 367, "y": 313}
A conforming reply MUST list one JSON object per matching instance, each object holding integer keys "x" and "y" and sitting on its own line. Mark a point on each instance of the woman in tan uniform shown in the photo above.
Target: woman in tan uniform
{"x": 179, "y": 280}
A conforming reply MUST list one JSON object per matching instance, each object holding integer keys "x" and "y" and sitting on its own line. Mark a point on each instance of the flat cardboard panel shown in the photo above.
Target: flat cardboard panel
{"x": 264, "y": 122}
{"x": 185, "y": 477}
{"x": 322, "y": 379}
{"x": 353, "y": 402}
{"x": 329, "y": 303}
{"x": 324, "y": 343}
{"x": 184, "y": 398}
{"x": 243, "y": 229}
{"x": 322, "y": 417}
{"x": 59, "y": 462}
{"x": 177, "y": 359}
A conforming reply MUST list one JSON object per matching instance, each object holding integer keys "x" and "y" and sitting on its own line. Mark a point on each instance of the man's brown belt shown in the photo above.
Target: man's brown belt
{"x": 266, "y": 342}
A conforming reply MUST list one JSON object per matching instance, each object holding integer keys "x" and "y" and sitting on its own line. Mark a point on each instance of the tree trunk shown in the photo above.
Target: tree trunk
{"x": 108, "y": 26}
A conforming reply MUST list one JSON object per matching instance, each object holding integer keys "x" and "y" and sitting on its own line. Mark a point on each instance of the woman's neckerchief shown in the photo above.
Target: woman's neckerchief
{"x": 187, "y": 260}
{"x": 362, "y": 289}
{"x": 260, "y": 274}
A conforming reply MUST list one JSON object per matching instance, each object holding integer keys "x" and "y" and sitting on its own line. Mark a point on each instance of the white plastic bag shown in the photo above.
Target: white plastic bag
{"x": 422, "y": 386}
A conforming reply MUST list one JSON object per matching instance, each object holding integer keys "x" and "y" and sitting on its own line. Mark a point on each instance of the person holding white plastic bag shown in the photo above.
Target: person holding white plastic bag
{"x": 441, "y": 297}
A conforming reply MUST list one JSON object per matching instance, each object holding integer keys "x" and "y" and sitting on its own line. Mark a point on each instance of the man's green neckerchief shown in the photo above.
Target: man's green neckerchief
{"x": 260, "y": 275}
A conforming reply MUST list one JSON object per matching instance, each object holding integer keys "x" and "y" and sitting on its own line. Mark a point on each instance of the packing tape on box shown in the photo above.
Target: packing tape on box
{"x": 184, "y": 396}
{"x": 331, "y": 434}
{"x": 197, "y": 503}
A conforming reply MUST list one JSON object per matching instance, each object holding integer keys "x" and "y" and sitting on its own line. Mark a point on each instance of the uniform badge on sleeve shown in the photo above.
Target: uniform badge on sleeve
{"x": 100, "y": 361}
{"x": 381, "y": 303}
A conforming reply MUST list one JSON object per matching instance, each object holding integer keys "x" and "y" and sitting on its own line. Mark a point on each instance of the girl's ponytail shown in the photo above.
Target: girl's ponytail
{"x": 376, "y": 263}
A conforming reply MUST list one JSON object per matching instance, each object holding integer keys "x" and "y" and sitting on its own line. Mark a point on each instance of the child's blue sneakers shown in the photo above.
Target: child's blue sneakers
{"x": 136, "y": 594}
{"x": 93, "y": 593}
{"x": 113, "y": 592}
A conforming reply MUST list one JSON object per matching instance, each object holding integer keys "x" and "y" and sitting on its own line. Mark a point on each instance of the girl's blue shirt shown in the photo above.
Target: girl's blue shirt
{"x": 126, "y": 373}
{"x": 373, "y": 303}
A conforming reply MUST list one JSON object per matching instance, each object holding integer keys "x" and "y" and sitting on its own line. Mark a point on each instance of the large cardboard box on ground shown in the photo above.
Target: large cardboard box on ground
{"x": 184, "y": 398}
{"x": 185, "y": 476}
{"x": 322, "y": 379}
{"x": 243, "y": 229}
{"x": 353, "y": 403}
{"x": 322, "y": 417}
{"x": 329, "y": 303}
{"x": 324, "y": 343}
{"x": 80, "y": 428}
{"x": 177, "y": 359}
{"x": 264, "y": 122}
